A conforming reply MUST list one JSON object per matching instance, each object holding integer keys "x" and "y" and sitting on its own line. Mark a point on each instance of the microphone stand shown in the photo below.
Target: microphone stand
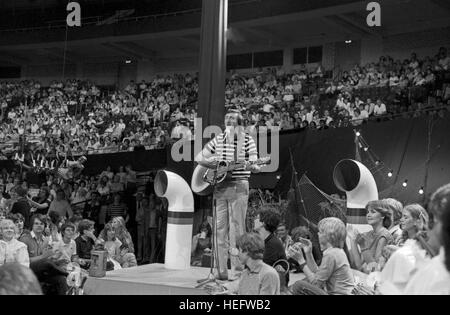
{"x": 214, "y": 250}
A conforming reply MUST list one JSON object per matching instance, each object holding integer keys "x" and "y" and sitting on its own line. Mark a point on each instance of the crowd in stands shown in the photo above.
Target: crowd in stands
{"x": 50, "y": 225}
{"x": 76, "y": 117}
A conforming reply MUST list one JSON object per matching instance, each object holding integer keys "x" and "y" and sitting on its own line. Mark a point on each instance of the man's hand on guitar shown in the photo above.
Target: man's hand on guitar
{"x": 254, "y": 168}
{"x": 209, "y": 163}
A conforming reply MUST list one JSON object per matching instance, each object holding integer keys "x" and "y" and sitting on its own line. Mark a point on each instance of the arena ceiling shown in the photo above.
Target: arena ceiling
{"x": 247, "y": 32}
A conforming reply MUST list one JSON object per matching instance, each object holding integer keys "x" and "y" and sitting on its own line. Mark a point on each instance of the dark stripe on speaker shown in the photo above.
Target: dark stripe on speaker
{"x": 180, "y": 218}
{"x": 356, "y": 216}
{"x": 180, "y": 221}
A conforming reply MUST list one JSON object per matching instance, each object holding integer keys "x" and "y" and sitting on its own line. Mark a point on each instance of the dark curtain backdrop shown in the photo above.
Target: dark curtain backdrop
{"x": 402, "y": 145}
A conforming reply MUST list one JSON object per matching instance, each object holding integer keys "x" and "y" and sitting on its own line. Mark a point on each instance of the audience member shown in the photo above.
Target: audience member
{"x": 405, "y": 261}
{"x": 85, "y": 242}
{"x": 41, "y": 262}
{"x": 372, "y": 243}
{"x": 334, "y": 273}
{"x": 434, "y": 277}
{"x": 395, "y": 209}
{"x": 16, "y": 279}
{"x": 258, "y": 278}
{"x": 11, "y": 250}
{"x": 21, "y": 206}
{"x": 201, "y": 244}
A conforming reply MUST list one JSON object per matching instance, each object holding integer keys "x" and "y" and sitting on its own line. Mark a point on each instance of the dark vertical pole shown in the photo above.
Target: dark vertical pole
{"x": 213, "y": 51}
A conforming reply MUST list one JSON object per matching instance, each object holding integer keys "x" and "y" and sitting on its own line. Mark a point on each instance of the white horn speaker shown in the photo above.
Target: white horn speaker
{"x": 355, "y": 179}
{"x": 179, "y": 219}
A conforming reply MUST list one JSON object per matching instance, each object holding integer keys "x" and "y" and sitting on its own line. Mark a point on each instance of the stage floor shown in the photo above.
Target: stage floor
{"x": 153, "y": 279}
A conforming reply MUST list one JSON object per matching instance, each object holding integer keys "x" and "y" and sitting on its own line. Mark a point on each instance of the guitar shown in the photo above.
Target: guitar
{"x": 203, "y": 177}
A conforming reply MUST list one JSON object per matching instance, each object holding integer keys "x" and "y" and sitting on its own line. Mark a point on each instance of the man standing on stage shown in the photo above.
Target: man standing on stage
{"x": 231, "y": 195}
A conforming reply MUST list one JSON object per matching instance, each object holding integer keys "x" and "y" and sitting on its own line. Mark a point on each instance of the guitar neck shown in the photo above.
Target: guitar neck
{"x": 237, "y": 165}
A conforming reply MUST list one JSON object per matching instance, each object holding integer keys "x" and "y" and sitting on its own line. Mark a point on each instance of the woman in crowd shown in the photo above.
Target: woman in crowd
{"x": 434, "y": 277}
{"x": 405, "y": 261}
{"x": 12, "y": 250}
{"x": 18, "y": 220}
{"x": 396, "y": 210}
{"x": 127, "y": 256}
{"x": 112, "y": 245}
{"x": 334, "y": 273}
{"x": 414, "y": 223}
{"x": 371, "y": 243}
{"x": 55, "y": 224}
{"x": 201, "y": 243}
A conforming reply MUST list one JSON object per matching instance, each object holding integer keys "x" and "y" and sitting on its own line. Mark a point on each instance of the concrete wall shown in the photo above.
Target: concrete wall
{"x": 425, "y": 43}
{"x": 46, "y": 74}
{"x": 335, "y": 55}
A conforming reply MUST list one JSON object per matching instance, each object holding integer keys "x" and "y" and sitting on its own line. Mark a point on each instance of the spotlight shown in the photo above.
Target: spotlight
{"x": 348, "y": 41}
{"x": 128, "y": 61}
{"x": 421, "y": 191}
{"x": 366, "y": 149}
{"x": 377, "y": 162}
{"x": 278, "y": 177}
{"x": 390, "y": 173}
{"x": 358, "y": 133}
{"x": 405, "y": 183}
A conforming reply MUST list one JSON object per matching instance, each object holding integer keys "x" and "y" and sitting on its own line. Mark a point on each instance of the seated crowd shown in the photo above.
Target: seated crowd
{"x": 58, "y": 228}
{"x": 405, "y": 252}
{"x": 77, "y": 117}
{"x": 55, "y": 225}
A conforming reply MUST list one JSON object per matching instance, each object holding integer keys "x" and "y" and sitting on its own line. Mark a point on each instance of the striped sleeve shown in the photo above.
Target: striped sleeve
{"x": 212, "y": 145}
{"x": 251, "y": 149}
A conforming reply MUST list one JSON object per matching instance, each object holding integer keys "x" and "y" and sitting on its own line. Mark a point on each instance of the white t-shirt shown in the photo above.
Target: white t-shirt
{"x": 400, "y": 268}
{"x": 379, "y": 109}
{"x": 432, "y": 279}
{"x": 14, "y": 252}
{"x": 267, "y": 108}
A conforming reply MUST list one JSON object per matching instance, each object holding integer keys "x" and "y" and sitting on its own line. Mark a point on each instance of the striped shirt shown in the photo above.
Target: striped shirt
{"x": 225, "y": 150}
{"x": 119, "y": 210}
